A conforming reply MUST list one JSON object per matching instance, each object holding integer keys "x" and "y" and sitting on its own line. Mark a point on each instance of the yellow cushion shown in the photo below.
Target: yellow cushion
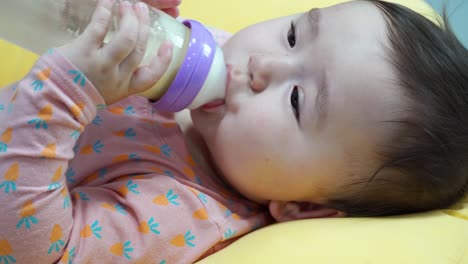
{"x": 438, "y": 237}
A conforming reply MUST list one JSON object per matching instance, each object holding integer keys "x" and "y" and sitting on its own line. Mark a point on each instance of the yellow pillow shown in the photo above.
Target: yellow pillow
{"x": 438, "y": 237}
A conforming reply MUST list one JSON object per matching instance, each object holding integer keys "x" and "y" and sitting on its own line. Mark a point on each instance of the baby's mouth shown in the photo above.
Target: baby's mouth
{"x": 213, "y": 105}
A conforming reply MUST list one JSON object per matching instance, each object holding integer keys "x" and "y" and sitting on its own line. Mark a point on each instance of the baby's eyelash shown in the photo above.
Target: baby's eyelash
{"x": 292, "y": 35}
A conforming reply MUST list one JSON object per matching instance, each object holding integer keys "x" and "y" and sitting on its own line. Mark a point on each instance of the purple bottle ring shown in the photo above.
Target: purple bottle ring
{"x": 192, "y": 72}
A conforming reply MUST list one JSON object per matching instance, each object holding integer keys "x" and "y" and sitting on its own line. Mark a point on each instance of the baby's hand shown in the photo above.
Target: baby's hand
{"x": 114, "y": 68}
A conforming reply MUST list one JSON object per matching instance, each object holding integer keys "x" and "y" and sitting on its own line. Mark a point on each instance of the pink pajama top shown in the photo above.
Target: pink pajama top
{"x": 82, "y": 182}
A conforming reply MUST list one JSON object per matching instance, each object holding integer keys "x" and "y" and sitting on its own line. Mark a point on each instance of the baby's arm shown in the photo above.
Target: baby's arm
{"x": 41, "y": 118}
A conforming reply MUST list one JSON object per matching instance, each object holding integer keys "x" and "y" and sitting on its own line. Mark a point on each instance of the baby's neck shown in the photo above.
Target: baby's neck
{"x": 196, "y": 146}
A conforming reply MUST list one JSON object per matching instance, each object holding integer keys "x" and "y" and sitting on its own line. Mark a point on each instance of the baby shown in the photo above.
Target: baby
{"x": 359, "y": 109}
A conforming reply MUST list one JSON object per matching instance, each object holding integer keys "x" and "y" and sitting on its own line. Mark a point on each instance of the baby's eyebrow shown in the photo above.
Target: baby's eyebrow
{"x": 321, "y": 100}
{"x": 313, "y": 17}
{"x": 320, "y": 108}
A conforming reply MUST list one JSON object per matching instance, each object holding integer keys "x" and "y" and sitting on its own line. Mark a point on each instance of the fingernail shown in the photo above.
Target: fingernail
{"x": 142, "y": 7}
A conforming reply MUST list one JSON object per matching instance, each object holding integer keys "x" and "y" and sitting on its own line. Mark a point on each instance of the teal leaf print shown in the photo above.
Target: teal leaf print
{"x": 96, "y": 229}
{"x": 83, "y": 196}
{"x": 97, "y": 121}
{"x": 78, "y": 77}
{"x": 27, "y": 221}
{"x": 229, "y": 233}
{"x": 127, "y": 249}
{"x": 129, "y": 110}
{"x": 153, "y": 226}
{"x": 8, "y": 185}
{"x": 166, "y": 150}
{"x": 2, "y": 107}
{"x": 75, "y": 134}
{"x": 75, "y": 148}
{"x": 97, "y": 146}
{"x": 56, "y": 245}
{"x": 133, "y": 156}
{"x": 130, "y": 133}
{"x": 132, "y": 187}
{"x": 101, "y": 106}
{"x": 203, "y": 197}
{"x": 37, "y": 85}
{"x": 71, "y": 255}
{"x": 172, "y": 197}
{"x": 3, "y": 147}
{"x": 120, "y": 208}
{"x": 102, "y": 173}
{"x": 7, "y": 259}
{"x": 54, "y": 186}
{"x": 66, "y": 201}
{"x": 188, "y": 239}
{"x": 69, "y": 174}
{"x": 39, "y": 123}
{"x": 169, "y": 173}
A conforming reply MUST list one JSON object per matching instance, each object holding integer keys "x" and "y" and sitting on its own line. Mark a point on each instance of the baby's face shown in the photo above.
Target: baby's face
{"x": 306, "y": 99}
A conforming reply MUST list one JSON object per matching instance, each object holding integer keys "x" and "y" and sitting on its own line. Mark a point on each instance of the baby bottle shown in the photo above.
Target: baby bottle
{"x": 196, "y": 74}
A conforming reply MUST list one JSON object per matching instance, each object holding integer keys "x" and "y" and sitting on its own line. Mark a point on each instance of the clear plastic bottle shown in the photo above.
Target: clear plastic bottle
{"x": 196, "y": 74}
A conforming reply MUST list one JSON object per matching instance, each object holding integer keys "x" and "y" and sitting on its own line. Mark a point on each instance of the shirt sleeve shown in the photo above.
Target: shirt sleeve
{"x": 41, "y": 118}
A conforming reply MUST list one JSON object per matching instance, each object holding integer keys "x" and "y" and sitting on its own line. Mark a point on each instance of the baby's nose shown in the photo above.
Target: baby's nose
{"x": 263, "y": 69}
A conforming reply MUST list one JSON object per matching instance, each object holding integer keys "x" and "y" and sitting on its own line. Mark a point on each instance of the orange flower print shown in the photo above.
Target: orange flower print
{"x": 5, "y": 138}
{"x": 49, "y": 151}
{"x": 200, "y": 214}
{"x": 191, "y": 174}
{"x": 77, "y": 109}
{"x": 125, "y": 157}
{"x": 27, "y": 215}
{"x": 129, "y": 133}
{"x": 169, "y": 198}
{"x": 44, "y": 115}
{"x": 116, "y": 208}
{"x": 56, "y": 239}
{"x": 129, "y": 187}
{"x": 93, "y": 229}
{"x": 120, "y": 110}
{"x": 68, "y": 256}
{"x": 199, "y": 194}
{"x": 120, "y": 249}
{"x": 150, "y": 225}
{"x": 41, "y": 77}
{"x": 152, "y": 149}
{"x": 190, "y": 161}
{"x": 55, "y": 184}
{"x": 156, "y": 169}
{"x": 97, "y": 175}
{"x": 95, "y": 148}
{"x": 183, "y": 240}
{"x": 11, "y": 175}
{"x": 6, "y": 252}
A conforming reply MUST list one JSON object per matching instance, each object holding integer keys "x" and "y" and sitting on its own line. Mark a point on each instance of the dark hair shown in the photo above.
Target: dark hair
{"x": 425, "y": 164}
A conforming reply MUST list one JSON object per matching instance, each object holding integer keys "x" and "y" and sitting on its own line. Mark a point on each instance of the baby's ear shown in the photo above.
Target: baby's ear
{"x": 288, "y": 211}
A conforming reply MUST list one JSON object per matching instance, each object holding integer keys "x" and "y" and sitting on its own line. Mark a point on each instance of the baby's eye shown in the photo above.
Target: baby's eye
{"x": 295, "y": 102}
{"x": 292, "y": 35}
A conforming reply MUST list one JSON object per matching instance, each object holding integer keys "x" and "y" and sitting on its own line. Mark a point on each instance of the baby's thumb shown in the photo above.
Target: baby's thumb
{"x": 146, "y": 76}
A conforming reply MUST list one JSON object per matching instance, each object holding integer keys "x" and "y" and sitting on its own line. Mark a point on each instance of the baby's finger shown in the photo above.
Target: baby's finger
{"x": 124, "y": 41}
{"x": 134, "y": 59}
{"x": 162, "y": 4}
{"x": 97, "y": 28}
{"x": 173, "y": 12}
{"x": 146, "y": 76}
